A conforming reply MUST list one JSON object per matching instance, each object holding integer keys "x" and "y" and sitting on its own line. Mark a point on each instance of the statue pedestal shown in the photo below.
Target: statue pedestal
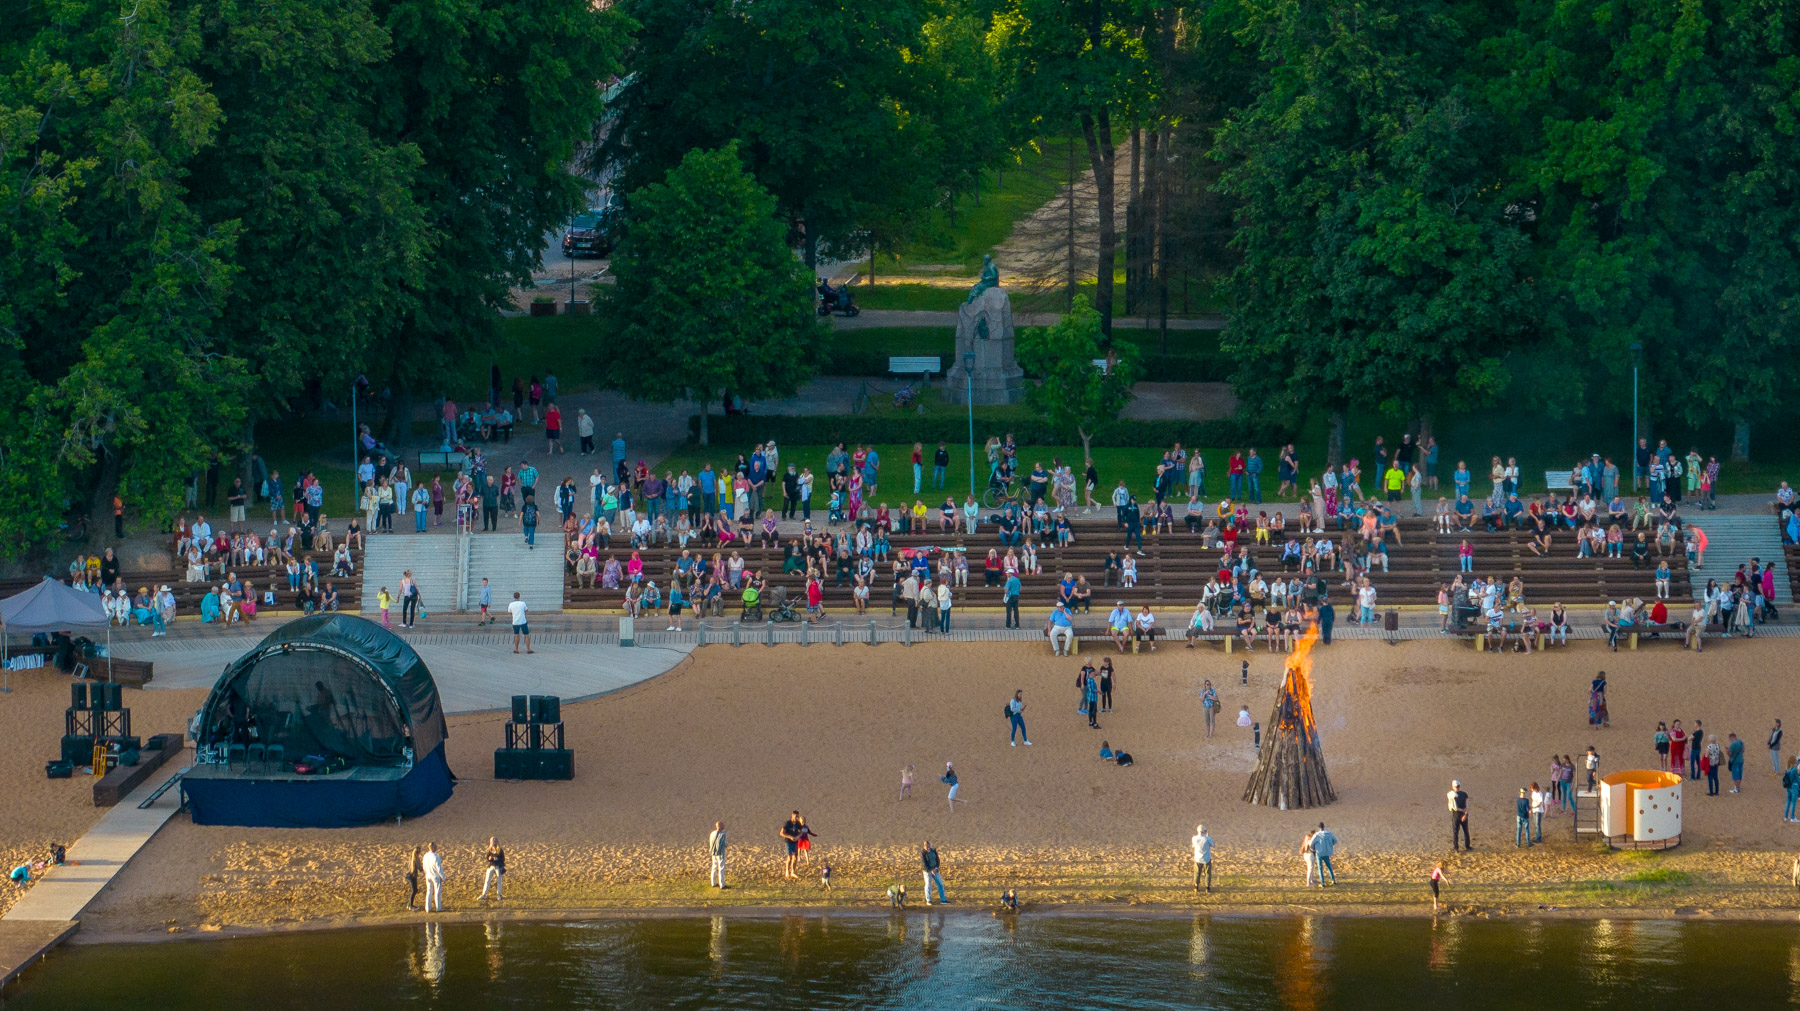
{"x": 995, "y": 377}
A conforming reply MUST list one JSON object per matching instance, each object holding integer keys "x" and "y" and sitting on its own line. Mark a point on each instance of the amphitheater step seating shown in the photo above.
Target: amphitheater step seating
{"x": 1174, "y": 569}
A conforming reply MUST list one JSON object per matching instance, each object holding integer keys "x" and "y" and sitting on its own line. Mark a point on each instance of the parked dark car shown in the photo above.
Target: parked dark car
{"x": 591, "y": 233}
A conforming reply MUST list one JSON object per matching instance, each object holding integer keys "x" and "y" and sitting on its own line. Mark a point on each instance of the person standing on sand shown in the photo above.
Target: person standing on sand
{"x": 1106, "y": 684}
{"x": 1310, "y": 857}
{"x": 790, "y": 838}
{"x": 1537, "y": 813}
{"x": 1203, "y": 855}
{"x": 1209, "y": 705}
{"x": 1458, "y": 800}
{"x": 1790, "y": 783}
{"x": 928, "y": 859}
{"x": 949, "y": 779}
{"x": 906, "y": 782}
{"x": 496, "y": 870}
{"x": 715, "y": 847}
{"x": 520, "y": 626}
{"x": 1090, "y": 697}
{"x": 1678, "y": 745}
{"x": 1522, "y": 833}
{"x": 1015, "y": 716}
{"x": 415, "y": 872}
{"x": 1775, "y": 748}
{"x": 1694, "y": 752}
{"x": 1709, "y": 764}
{"x": 1324, "y": 845}
{"x": 1437, "y": 878}
{"x": 432, "y": 867}
{"x": 1734, "y": 762}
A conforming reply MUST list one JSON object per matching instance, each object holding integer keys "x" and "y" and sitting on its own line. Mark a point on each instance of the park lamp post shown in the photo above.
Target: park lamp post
{"x": 969, "y": 379}
{"x": 1636, "y": 356}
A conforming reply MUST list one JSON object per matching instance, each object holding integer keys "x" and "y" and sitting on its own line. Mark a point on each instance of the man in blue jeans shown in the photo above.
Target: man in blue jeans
{"x": 928, "y": 858}
{"x": 1253, "y": 470}
{"x": 1015, "y": 715}
{"x": 1522, "y": 836}
{"x": 1325, "y": 844}
{"x": 940, "y": 464}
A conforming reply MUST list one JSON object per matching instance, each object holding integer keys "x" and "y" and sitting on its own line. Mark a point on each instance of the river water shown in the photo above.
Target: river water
{"x": 958, "y": 960}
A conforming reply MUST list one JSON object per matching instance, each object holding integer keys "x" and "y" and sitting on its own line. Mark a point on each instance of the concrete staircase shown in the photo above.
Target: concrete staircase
{"x": 537, "y": 575}
{"x": 436, "y": 561}
{"x": 1732, "y": 541}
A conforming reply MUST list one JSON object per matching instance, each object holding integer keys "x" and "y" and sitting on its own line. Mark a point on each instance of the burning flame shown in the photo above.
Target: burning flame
{"x": 1297, "y": 685}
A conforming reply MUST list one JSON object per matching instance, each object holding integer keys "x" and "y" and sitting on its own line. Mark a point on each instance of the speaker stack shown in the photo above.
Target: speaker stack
{"x": 96, "y": 718}
{"x": 534, "y": 741}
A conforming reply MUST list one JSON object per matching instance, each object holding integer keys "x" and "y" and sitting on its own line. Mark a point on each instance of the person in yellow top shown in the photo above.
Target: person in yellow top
{"x": 386, "y": 600}
{"x": 919, "y": 512}
{"x": 1394, "y": 481}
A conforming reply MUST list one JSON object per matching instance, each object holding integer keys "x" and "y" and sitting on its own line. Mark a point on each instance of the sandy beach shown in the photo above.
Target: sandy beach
{"x": 747, "y": 734}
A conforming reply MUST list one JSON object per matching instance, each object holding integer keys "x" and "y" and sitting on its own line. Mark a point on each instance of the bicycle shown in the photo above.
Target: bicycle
{"x": 998, "y": 495}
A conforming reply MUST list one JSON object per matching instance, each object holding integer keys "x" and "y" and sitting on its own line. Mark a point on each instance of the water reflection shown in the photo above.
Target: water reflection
{"x": 941, "y": 959}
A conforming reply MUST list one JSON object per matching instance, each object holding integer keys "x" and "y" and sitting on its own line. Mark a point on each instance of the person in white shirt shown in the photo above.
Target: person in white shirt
{"x": 1146, "y": 627}
{"x": 1202, "y": 857}
{"x": 1537, "y": 812}
{"x": 520, "y": 626}
{"x": 1244, "y": 716}
{"x": 943, "y": 602}
{"x": 1200, "y": 624}
{"x": 434, "y": 879}
{"x": 715, "y": 846}
{"x": 1365, "y": 600}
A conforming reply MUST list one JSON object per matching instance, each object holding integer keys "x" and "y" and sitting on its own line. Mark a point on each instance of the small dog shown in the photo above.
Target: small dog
{"x": 897, "y": 896}
{"x": 825, "y": 877}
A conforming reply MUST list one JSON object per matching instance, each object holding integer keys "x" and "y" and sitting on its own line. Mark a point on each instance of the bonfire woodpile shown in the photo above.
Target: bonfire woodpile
{"x": 1290, "y": 766}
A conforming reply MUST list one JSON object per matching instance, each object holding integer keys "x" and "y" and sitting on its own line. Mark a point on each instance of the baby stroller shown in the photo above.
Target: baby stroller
{"x": 783, "y": 611}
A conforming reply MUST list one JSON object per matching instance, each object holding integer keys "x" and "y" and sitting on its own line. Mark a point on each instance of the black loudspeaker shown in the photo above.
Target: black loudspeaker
{"x": 61, "y": 768}
{"x": 521, "y": 709}
{"x": 110, "y": 697}
{"x": 556, "y": 763}
{"x": 510, "y": 763}
{"x": 78, "y": 695}
{"x": 546, "y": 709}
{"x": 78, "y": 749}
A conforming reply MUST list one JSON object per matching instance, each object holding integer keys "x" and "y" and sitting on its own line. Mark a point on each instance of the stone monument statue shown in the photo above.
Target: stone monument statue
{"x": 984, "y": 330}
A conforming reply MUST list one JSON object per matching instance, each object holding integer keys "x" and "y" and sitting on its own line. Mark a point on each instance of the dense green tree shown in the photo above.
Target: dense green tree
{"x": 817, "y": 93}
{"x": 1379, "y": 270}
{"x": 709, "y": 298}
{"x": 495, "y": 95}
{"x": 1089, "y": 66}
{"x": 1074, "y": 395}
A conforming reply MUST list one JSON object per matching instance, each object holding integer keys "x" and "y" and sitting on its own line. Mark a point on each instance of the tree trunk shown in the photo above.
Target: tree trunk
{"x": 812, "y": 247}
{"x": 705, "y": 400}
{"x": 1161, "y": 228}
{"x": 871, "y": 262}
{"x": 1740, "y": 442}
{"x": 1134, "y": 225}
{"x": 247, "y": 465}
{"x": 1096, "y": 128}
{"x": 396, "y": 428}
{"x": 1087, "y": 450}
{"x": 1069, "y": 296}
{"x": 99, "y": 509}
{"x": 1425, "y": 430}
{"x": 1334, "y": 440}
{"x": 951, "y": 201}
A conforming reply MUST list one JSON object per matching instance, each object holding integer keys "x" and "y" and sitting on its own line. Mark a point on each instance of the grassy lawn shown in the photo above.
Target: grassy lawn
{"x": 1136, "y": 466}
{"x": 1004, "y": 198}
{"x": 536, "y": 346}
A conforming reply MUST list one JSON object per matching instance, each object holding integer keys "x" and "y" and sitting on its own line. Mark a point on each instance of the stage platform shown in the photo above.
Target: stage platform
{"x": 285, "y": 774}
{"x": 279, "y": 797}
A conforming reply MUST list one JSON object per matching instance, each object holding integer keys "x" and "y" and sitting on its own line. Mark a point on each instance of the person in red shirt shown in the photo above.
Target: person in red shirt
{"x": 1659, "y": 615}
{"x": 553, "y": 428}
{"x": 1235, "y": 468}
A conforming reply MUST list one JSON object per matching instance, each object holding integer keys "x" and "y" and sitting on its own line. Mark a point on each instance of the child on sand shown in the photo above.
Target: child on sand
{"x": 949, "y": 779}
{"x": 906, "y": 781}
{"x": 1437, "y": 877}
